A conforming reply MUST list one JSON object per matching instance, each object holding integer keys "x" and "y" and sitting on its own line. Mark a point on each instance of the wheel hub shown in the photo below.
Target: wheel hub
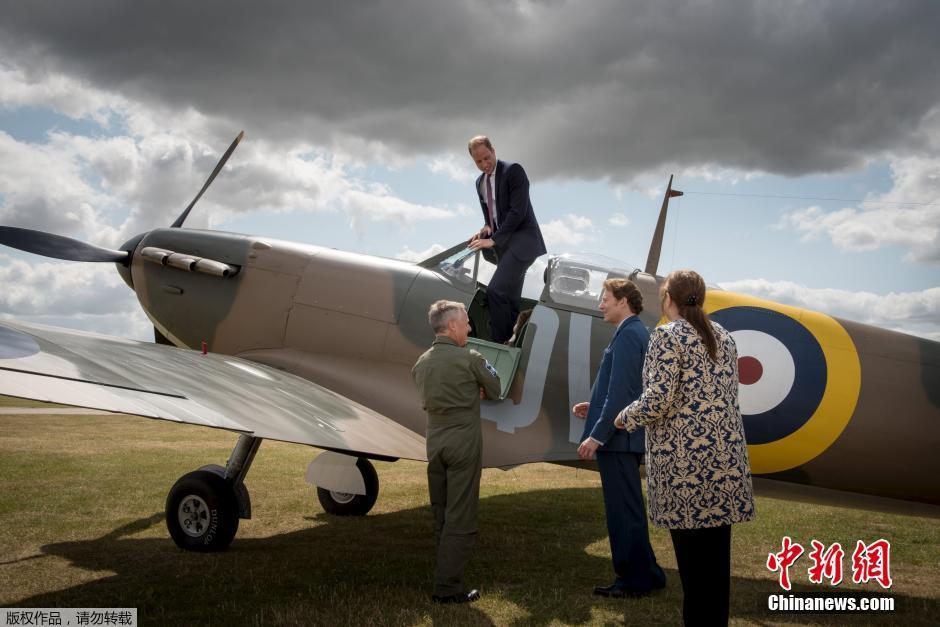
{"x": 193, "y": 515}
{"x": 342, "y": 497}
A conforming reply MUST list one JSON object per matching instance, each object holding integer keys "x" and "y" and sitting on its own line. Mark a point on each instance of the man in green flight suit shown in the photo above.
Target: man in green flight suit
{"x": 451, "y": 380}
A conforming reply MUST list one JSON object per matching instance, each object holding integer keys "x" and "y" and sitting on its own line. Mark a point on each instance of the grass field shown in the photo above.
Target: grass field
{"x": 9, "y": 401}
{"x": 81, "y": 525}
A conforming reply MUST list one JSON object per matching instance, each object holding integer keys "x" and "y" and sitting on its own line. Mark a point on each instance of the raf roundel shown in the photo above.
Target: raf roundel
{"x": 799, "y": 378}
{"x": 792, "y": 370}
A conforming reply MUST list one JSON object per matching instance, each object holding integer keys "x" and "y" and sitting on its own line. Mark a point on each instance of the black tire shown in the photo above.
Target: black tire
{"x": 202, "y": 512}
{"x": 342, "y": 504}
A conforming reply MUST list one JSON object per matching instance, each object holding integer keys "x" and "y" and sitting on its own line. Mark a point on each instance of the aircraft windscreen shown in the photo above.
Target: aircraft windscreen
{"x": 460, "y": 267}
{"x": 577, "y": 280}
{"x": 468, "y": 269}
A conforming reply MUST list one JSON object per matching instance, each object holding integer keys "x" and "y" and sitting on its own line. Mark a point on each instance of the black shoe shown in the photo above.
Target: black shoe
{"x": 604, "y": 591}
{"x": 613, "y": 591}
{"x": 463, "y": 597}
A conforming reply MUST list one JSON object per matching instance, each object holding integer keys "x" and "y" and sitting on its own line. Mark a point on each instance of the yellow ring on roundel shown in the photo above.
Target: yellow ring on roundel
{"x": 843, "y": 382}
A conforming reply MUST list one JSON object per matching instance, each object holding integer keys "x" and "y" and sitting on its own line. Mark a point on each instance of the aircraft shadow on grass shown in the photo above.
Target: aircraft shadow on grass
{"x": 379, "y": 568}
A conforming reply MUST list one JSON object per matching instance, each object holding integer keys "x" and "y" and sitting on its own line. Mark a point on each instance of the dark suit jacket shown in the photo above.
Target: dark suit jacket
{"x": 619, "y": 382}
{"x": 518, "y": 229}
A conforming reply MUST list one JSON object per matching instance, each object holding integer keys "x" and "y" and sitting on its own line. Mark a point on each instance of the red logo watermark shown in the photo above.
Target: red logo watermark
{"x": 827, "y": 564}
{"x": 870, "y": 562}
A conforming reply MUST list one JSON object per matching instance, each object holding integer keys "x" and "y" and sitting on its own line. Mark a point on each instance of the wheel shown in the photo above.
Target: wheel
{"x": 345, "y": 504}
{"x": 202, "y": 512}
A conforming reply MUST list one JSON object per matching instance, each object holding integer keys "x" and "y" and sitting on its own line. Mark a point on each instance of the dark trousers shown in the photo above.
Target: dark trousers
{"x": 634, "y": 561}
{"x": 504, "y": 294}
{"x": 704, "y": 559}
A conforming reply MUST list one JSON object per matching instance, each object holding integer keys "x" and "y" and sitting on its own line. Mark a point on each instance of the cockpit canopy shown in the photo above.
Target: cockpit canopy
{"x": 570, "y": 280}
{"x": 577, "y": 280}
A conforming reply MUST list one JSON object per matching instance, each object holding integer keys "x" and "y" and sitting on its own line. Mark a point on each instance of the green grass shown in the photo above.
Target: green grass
{"x": 12, "y": 401}
{"x": 81, "y": 525}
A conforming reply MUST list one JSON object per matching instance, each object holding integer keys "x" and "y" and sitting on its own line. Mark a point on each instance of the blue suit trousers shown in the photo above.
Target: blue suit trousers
{"x": 634, "y": 561}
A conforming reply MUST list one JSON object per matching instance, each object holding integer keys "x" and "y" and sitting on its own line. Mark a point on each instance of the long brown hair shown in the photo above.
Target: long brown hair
{"x": 686, "y": 288}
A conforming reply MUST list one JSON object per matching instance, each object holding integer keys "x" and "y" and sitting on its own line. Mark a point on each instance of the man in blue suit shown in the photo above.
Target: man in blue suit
{"x": 510, "y": 231}
{"x": 619, "y": 382}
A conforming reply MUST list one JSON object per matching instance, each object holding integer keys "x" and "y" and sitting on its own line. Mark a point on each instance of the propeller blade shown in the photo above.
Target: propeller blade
{"x": 218, "y": 168}
{"x": 56, "y": 246}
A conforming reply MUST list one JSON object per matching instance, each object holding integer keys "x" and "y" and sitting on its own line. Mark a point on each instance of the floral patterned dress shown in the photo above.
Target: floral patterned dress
{"x": 697, "y": 467}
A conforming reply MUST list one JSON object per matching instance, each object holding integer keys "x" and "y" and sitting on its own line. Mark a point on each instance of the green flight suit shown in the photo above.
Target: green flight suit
{"x": 449, "y": 379}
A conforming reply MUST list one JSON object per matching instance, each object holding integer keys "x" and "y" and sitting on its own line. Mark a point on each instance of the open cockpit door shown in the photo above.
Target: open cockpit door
{"x": 502, "y": 357}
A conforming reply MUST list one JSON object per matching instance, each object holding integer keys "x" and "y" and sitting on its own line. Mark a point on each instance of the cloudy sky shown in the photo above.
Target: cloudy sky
{"x": 806, "y": 136}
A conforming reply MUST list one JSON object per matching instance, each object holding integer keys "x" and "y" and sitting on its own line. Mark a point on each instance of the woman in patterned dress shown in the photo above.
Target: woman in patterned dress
{"x": 697, "y": 470}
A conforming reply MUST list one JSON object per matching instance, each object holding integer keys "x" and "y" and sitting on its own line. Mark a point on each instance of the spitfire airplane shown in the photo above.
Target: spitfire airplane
{"x": 313, "y": 345}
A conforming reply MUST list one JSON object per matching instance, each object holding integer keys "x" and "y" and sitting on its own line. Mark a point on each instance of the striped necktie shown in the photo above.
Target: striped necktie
{"x": 489, "y": 202}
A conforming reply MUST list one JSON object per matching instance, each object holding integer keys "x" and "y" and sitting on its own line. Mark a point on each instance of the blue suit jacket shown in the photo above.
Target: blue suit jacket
{"x": 518, "y": 229}
{"x": 619, "y": 382}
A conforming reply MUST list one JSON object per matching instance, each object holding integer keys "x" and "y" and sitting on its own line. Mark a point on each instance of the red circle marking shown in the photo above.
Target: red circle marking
{"x": 749, "y": 370}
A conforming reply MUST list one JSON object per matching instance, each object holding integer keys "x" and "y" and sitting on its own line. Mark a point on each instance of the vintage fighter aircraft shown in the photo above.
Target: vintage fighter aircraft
{"x": 314, "y": 345}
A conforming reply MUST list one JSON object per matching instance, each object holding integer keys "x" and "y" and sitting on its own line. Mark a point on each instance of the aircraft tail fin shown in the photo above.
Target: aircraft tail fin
{"x": 656, "y": 246}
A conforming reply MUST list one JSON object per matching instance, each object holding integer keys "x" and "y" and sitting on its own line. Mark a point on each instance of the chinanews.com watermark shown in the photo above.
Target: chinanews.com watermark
{"x": 814, "y": 604}
{"x": 870, "y": 564}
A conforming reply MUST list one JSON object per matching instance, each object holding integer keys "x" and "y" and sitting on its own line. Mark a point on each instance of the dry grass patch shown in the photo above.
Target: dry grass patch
{"x": 81, "y": 525}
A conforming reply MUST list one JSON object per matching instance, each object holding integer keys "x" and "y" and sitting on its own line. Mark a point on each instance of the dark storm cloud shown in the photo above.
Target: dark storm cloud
{"x": 586, "y": 89}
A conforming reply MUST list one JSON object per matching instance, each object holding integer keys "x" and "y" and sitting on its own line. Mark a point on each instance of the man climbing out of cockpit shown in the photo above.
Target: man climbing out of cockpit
{"x": 510, "y": 232}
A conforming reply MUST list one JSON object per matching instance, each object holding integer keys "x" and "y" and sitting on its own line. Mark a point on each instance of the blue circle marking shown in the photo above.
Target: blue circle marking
{"x": 16, "y": 344}
{"x": 809, "y": 379}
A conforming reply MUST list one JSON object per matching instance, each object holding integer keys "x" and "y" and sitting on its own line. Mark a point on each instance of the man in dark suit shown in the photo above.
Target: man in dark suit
{"x": 619, "y": 382}
{"x": 510, "y": 231}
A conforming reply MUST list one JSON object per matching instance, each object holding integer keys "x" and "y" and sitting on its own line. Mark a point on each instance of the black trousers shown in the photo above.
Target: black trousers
{"x": 504, "y": 294}
{"x": 704, "y": 559}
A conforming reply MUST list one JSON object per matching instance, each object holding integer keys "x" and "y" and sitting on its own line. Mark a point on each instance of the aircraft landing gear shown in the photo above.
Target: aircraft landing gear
{"x": 346, "y": 485}
{"x": 204, "y": 506}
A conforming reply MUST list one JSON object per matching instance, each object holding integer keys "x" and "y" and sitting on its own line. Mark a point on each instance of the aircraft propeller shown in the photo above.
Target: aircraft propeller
{"x": 57, "y": 246}
{"x": 60, "y": 247}
{"x": 218, "y": 168}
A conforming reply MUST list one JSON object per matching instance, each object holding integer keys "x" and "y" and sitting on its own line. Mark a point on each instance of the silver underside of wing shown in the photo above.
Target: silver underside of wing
{"x": 126, "y": 376}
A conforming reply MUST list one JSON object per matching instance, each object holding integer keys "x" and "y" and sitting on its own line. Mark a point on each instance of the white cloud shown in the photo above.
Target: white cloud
{"x": 407, "y": 254}
{"x": 74, "y": 98}
{"x": 712, "y": 173}
{"x": 87, "y": 296}
{"x": 457, "y": 169}
{"x": 883, "y": 221}
{"x": 62, "y": 287}
{"x": 108, "y": 189}
{"x": 46, "y": 187}
{"x": 570, "y": 230}
{"x": 619, "y": 219}
{"x": 917, "y": 313}
{"x": 364, "y": 206}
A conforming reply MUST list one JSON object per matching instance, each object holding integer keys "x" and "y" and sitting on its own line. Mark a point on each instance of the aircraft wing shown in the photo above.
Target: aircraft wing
{"x": 155, "y": 381}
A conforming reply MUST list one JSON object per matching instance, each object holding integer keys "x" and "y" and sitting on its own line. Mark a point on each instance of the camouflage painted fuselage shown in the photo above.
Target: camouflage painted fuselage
{"x": 827, "y": 403}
